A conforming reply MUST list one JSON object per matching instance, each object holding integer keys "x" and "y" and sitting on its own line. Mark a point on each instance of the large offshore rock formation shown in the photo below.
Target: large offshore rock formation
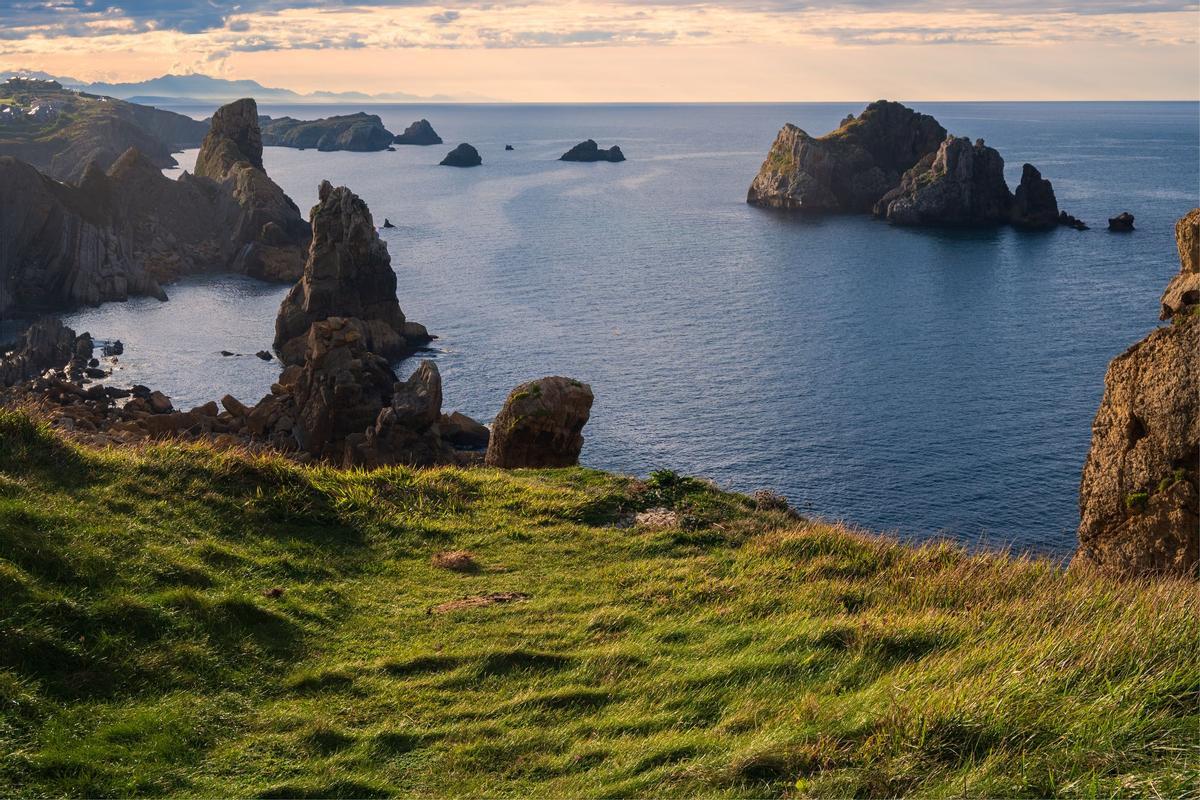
{"x": 464, "y": 155}
{"x": 541, "y": 425}
{"x": 358, "y": 132}
{"x": 1034, "y": 205}
{"x": 1138, "y": 501}
{"x": 961, "y": 184}
{"x": 849, "y": 169}
{"x": 348, "y": 273}
{"x": 127, "y": 231}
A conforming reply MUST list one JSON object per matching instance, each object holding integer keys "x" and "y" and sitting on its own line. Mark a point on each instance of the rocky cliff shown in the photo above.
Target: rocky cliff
{"x": 348, "y": 273}
{"x": 1182, "y": 296}
{"x": 61, "y": 132}
{"x": 357, "y": 132}
{"x": 1138, "y": 501}
{"x": 849, "y": 169}
{"x": 960, "y": 184}
{"x": 125, "y": 232}
{"x": 541, "y": 425}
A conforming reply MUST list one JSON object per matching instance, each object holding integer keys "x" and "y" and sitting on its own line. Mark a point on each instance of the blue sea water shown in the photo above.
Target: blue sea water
{"x": 921, "y": 382}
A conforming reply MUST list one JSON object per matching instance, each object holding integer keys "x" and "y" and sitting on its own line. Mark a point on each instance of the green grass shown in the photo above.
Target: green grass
{"x": 179, "y": 621}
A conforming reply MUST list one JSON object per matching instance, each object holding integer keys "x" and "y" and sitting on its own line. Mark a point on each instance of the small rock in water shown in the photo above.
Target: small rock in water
{"x": 1121, "y": 223}
{"x": 113, "y": 348}
{"x": 508, "y": 147}
{"x": 387, "y": 223}
{"x": 264, "y": 355}
{"x": 1071, "y": 222}
{"x": 462, "y": 156}
{"x": 160, "y": 403}
{"x": 226, "y": 353}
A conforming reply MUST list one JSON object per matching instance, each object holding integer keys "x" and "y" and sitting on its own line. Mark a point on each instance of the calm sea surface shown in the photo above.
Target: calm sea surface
{"x": 914, "y": 381}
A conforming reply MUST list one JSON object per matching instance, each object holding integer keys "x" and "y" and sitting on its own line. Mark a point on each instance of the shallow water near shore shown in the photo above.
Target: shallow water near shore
{"x": 920, "y": 382}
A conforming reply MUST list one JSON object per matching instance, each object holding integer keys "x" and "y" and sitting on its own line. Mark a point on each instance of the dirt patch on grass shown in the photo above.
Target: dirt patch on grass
{"x": 479, "y": 601}
{"x": 456, "y": 561}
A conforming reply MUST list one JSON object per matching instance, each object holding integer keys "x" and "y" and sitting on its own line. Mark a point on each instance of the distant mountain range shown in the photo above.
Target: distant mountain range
{"x": 184, "y": 89}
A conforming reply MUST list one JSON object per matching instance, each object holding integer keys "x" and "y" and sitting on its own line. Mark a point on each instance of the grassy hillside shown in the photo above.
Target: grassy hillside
{"x": 179, "y": 621}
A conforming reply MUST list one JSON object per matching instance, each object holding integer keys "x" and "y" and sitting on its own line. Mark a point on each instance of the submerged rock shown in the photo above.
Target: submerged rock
{"x": 1138, "y": 501}
{"x": 849, "y": 169}
{"x": 419, "y": 133}
{"x": 462, "y": 156}
{"x": 590, "y": 151}
{"x": 1121, "y": 223}
{"x": 348, "y": 273}
{"x": 541, "y": 425}
{"x": 961, "y": 184}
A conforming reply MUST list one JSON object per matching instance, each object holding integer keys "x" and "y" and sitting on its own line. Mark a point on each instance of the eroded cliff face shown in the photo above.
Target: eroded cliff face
{"x": 1138, "y": 501}
{"x": 849, "y": 169}
{"x": 348, "y": 273}
{"x": 961, "y": 184}
{"x": 269, "y": 235}
{"x": 127, "y": 231}
{"x": 1183, "y": 292}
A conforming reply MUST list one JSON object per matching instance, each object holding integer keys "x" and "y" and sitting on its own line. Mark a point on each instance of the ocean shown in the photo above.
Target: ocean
{"x": 925, "y": 383}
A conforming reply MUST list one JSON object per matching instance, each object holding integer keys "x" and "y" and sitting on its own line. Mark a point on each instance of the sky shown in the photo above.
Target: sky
{"x": 630, "y": 50}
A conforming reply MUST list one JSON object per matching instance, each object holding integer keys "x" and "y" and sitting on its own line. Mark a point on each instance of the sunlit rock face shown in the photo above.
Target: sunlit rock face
{"x": 1138, "y": 498}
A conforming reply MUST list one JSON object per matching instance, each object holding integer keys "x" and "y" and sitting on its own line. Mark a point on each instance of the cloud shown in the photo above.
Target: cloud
{"x": 444, "y": 17}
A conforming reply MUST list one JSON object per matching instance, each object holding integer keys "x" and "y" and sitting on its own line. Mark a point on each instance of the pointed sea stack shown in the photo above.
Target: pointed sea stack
{"x": 1138, "y": 500}
{"x": 268, "y": 231}
{"x": 348, "y": 273}
{"x": 1034, "y": 205}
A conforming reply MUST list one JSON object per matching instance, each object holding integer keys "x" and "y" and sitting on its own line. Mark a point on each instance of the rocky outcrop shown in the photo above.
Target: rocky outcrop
{"x": 1182, "y": 296}
{"x": 85, "y": 129}
{"x": 268, "y": 233}
{"x": 961, "y": 184}
{"x": 348, "y": 273}
{"x": 590, "y": 151}
{"x": 1121, "y": 223}
{"x": 128, "y": 231}
{"x": 541, "y": 425}
{"x": 1138, "y": 501}
{"x": 848, "y": 170}
{"x": 462, "y": 156}
{"x": 358, "y": 132}
{"x": 46, "y": 344}
{"x": 1034, "y": 205}
{"x": 419, "y": 133}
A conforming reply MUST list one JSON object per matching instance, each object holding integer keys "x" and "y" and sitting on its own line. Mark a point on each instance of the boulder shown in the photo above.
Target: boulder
{"x": 590, "y": 151}
{"x": 541, "y": 425}
{"x": 1034, "y": 205}
{"x": 848, "y": 170}
{"x": 1121, "y": 223}
{"x": 419, "y": 133}
{"x": 463, "y": 432}
{"x": 1138, "y": 496}
{"x": 348, "y": 273}
{"x": 1182, "y": 295}
{"x": 406, "y": 431}
{"x": 462, "y": 156}
{"x": 962, "y": 184}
